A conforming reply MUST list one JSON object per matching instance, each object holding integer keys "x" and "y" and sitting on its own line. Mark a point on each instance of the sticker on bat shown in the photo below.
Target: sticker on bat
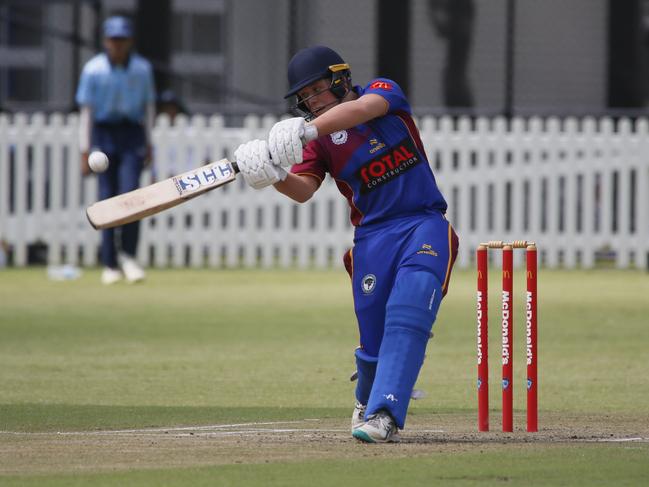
{"x": 206, "y": 176}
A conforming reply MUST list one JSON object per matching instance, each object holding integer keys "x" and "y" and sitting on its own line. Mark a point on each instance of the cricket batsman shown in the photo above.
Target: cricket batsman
{"x": 404, "y": 247}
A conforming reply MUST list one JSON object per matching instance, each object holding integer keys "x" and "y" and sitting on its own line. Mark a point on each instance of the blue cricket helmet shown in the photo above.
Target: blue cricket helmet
{"x": 314, "y": 63}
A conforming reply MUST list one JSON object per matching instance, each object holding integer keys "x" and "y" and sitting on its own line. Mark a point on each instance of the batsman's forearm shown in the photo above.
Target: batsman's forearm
{"x": 298, "y": 188}
{"x": 351, "y": 113}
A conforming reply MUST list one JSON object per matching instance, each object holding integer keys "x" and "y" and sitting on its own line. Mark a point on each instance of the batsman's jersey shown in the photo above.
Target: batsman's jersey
{"x": 396, "y": 206}
{"x": 379, "y": 166}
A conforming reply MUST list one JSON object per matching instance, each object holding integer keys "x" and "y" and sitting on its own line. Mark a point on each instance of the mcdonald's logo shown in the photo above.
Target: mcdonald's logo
{"x": 530, "y": 275}
{"x": 507, "y": 274}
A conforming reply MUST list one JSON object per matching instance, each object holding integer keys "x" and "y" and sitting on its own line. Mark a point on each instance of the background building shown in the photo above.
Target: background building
{"x": 467, "y": 56}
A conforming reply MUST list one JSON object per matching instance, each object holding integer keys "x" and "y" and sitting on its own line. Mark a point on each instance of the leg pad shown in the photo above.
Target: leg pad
{"x": 411, "y": 311}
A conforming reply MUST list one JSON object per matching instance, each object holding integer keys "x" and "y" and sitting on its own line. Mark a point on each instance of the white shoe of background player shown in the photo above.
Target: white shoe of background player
{"x": 379, "y": 428}
{"x": 132, "y": 271}
{"x": 110, "y": 276}
{"x": 358, "y": 417}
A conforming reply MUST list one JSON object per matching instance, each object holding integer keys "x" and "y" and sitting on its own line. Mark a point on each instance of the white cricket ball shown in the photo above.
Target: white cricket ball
{"x": 98, "y": 161}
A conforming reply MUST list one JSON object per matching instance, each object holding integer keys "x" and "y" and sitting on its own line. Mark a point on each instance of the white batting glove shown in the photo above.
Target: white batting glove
{"x": 254, "y": 163}
{"x": 286, "y": 139}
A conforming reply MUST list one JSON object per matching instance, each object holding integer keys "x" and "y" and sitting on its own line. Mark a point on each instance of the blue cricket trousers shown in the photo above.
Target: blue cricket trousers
{"x": 125, "y": 145}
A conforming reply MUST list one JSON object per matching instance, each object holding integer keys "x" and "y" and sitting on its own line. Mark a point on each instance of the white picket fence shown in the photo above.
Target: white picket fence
{"x": 579, "y": 188}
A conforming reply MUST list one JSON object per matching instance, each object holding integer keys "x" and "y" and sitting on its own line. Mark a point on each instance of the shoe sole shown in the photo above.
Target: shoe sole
{"x": 361, "y": 435}
{"x": 110, "y": 283}
{"x": 364, "y": 437}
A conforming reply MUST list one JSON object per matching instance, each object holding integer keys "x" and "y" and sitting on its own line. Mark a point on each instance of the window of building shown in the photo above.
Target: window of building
{"x": 22, "y": 71}
{"x": 198, "y": 51}
{"x": 197, "y": 33}
{"x": 24, "y": 84}
{"x": 22, "y": 25}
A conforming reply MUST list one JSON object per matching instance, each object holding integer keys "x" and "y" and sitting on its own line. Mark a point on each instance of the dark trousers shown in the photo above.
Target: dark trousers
{"x": 125, "y": 146}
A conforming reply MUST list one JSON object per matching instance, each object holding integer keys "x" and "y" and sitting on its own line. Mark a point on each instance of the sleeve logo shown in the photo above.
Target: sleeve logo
{"x": 380, "y": 85}
{"x": 339, "y": 137}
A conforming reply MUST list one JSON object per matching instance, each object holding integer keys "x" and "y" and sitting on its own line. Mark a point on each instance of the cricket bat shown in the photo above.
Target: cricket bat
{"x": 149, "y": 200}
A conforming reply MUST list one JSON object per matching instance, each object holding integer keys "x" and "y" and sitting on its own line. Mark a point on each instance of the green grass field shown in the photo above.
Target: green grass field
{"x": 241, "y": 378}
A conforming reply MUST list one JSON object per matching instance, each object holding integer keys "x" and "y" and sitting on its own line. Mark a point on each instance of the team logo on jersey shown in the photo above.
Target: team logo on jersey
{"x": 395, "y": 161}
{"x": 339, "y": 137}
{"x": 368, "y": 283}
{"x": 381, "y": 85}
{"x": 428, "y": 250}
{"x": 376, "y": 146}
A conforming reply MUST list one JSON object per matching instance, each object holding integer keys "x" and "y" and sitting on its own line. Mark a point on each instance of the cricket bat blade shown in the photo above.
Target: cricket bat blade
{"x": 149, "y": 200}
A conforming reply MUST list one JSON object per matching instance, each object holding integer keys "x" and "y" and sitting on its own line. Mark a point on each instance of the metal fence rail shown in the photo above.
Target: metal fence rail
{"x": 579, "y": 188}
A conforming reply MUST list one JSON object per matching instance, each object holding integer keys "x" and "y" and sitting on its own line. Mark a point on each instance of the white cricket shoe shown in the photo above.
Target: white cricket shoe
{"x": 358, "y": 417}
{"x": 132, "y": 270}
{"x": 110, "y": 276}
{"x": 379, "y": 428}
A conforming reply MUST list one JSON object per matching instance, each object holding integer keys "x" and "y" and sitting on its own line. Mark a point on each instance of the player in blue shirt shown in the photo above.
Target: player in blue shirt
{"x": 117, "y": 100}
{"x": 404, "y": 248}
